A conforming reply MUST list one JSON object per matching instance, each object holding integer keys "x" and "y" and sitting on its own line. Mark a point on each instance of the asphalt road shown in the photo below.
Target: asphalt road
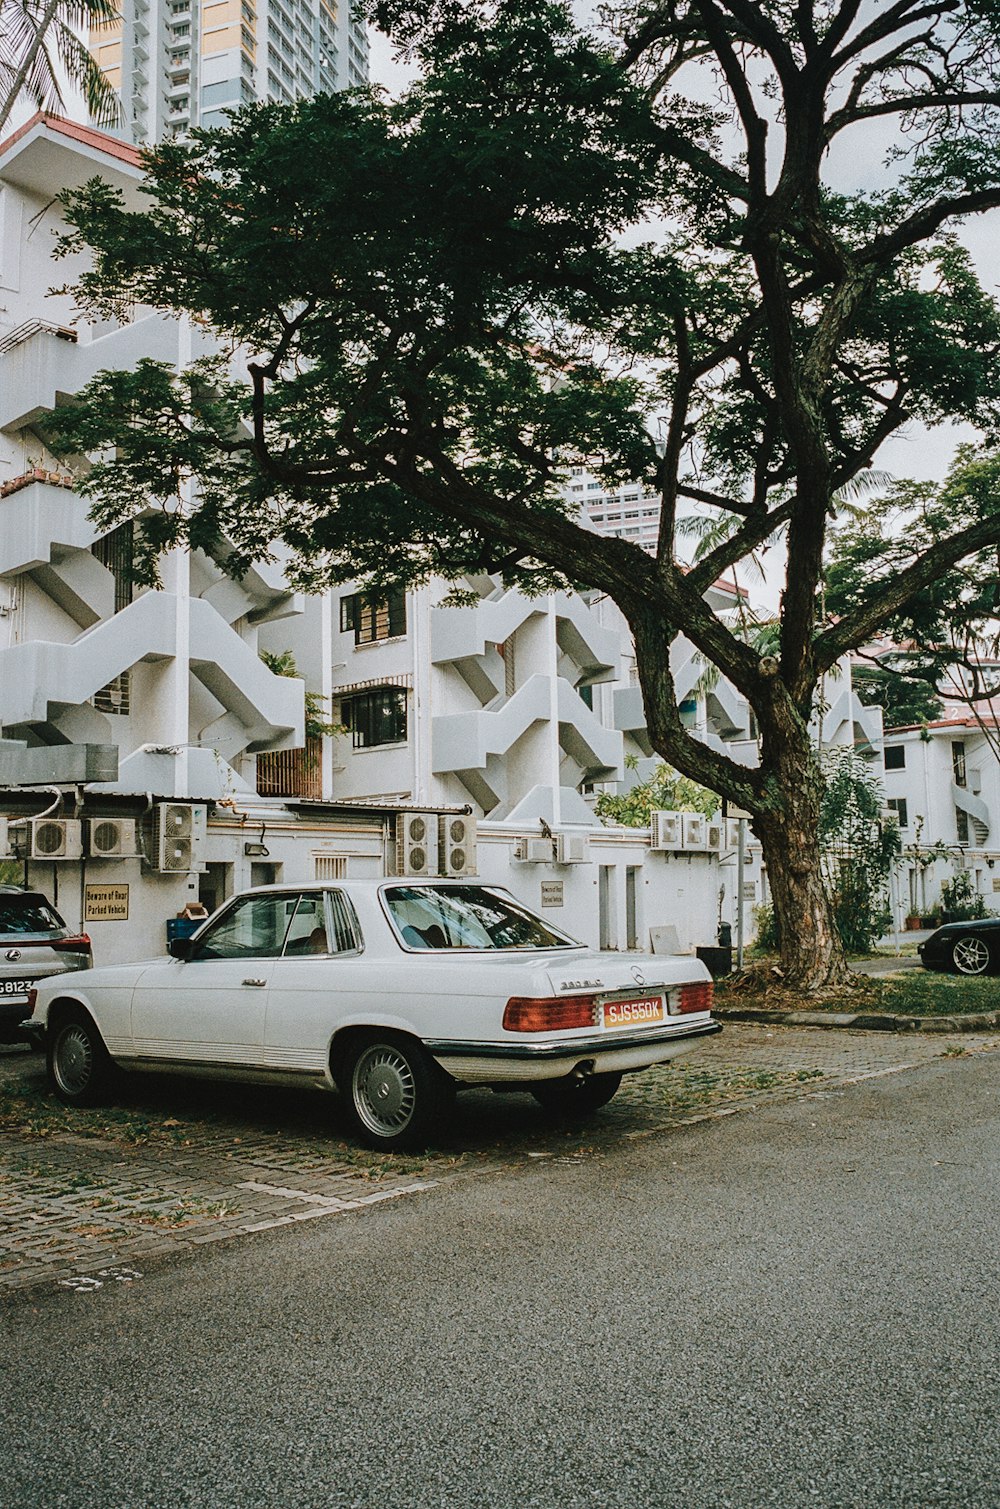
{"x": 794, "y": 1306}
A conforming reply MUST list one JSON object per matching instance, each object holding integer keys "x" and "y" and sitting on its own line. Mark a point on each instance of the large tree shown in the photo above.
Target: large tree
{"x": 644, "y": 247}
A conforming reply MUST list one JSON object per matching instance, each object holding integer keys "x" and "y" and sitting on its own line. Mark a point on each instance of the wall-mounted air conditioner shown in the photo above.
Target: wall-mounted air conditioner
{"x": 572, "y": 848}
{"x": 416, "y": 844}
{"x": 457, "y": 845}
{"x": 695, "y": 832}
{"x": 110, "y": 837}
{"x": 178, "y": 837}
{"x": 733, "y": 833}
{"x": 667, "y": 830}
{"x": 533, "y": 850}
{"x": 47, "y": 838}
{"x": 713, "y": 835}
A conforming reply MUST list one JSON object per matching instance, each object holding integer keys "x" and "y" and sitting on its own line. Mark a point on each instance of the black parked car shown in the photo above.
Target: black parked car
{"x": 34, "y": 944}
{"x": 972, "y": 948}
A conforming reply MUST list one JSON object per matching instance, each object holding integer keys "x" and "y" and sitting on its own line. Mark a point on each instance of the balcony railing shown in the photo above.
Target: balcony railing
{"x": 292, "y": 772}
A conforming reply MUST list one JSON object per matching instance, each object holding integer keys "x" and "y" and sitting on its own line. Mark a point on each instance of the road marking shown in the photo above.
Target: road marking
{"x": 88, "y": 1283}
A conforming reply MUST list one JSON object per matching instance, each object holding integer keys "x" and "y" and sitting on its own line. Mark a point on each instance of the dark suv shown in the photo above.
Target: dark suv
{"x": 34, "y": 944}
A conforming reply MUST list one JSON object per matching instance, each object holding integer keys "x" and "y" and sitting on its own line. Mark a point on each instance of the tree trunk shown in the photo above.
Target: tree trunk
{"x": 811, "y": 953}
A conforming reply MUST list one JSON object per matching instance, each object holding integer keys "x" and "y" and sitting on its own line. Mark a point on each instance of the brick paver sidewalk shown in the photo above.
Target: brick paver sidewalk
{"x": 87, "y": 1197}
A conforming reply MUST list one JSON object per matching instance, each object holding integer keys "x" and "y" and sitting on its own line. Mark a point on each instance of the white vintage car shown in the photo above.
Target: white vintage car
{"x": 394, "y": 992}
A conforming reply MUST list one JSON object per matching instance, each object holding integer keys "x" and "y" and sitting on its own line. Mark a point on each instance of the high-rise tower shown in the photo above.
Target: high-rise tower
{"x": 183, "y": 63}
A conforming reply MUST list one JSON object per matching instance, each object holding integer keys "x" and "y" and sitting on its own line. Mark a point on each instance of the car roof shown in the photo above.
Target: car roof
{"x": 294, "y": 887}
{"x": 12, "y": 892}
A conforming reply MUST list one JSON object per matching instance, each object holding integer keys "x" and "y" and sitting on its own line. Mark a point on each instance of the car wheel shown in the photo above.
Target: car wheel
{"x": 971, "y": 955}
{"x": 394, "y": 1093}
{"x": 576, "y": 1097}
{"x": 79, "y": 1066}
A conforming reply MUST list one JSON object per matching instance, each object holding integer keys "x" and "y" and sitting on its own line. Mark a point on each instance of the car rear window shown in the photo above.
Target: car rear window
{"x": 466, "y": 917}
{"x": 27, "y": 914}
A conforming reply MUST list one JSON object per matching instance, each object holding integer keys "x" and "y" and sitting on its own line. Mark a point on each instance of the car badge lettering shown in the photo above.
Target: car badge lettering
{"x": 13, "y": 954}
{"x": 580, "y": 984}
{"x": 638, "y": 976}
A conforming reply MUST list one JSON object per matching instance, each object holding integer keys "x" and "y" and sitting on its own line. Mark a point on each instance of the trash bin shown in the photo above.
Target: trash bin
{"x": 718, "y": 959}
{"x": 182, "y": 927}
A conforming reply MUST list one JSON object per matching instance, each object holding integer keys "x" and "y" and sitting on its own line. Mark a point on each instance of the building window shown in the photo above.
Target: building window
{"x": 958, "y": 763}
{"x": 894, "y": 756}
{"x": 373, "y": 619}
{"x": 377, "y": 717}
{"x": 897, "y": 804}
{"x": 962, "y": 825}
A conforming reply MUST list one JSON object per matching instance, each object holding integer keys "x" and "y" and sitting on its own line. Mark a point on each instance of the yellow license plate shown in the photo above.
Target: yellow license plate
{"x": 639, "y": 1011}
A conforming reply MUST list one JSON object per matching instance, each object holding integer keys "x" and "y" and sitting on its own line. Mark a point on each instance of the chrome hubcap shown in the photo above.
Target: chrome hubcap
{"x": 971, "y": 956}
{"x": 384, "y": 1090}
{"x": 73, "y": 1060}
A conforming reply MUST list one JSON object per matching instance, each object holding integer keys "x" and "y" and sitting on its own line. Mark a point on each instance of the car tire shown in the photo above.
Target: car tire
{"x": 576, "y": 1097}
{"x": 80, "y": 1069}
{"x": 394, "y": 1094}
{"x": 971, "y": 955}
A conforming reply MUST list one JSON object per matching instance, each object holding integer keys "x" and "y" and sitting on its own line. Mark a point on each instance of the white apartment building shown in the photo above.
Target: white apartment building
{"x": 183, "y": 63}
{"x": 630, "y": 511}
{"x": 942, "y": 780}
{"x": 148, "y": 756}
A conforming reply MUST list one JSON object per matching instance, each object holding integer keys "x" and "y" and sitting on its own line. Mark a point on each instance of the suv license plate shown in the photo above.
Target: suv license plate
{"x": 638, "y": 1011}
{"x": 15, "y": 987}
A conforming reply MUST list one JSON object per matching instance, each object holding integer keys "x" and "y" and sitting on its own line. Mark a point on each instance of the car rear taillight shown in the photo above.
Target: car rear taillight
{"x": 546, "y": 1014}
{"x": 694, "y": 997}
{"x": 78, "y": 944}
{"x": 32, "y": 998}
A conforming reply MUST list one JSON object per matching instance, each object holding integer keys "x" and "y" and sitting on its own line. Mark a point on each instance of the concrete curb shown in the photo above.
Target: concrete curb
{"x": 861, "y": 1021}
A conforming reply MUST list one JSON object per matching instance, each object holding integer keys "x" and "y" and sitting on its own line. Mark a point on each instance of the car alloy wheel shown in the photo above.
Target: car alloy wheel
{"x": 971, "y": 956}
{"x": 384, "y": 1089}
{"x": 394, "y": 1092}
{"x": 80, "y": 1069}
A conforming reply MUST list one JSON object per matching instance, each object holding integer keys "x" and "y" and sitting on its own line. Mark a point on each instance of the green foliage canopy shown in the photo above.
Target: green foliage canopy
{"x": 625, "y": 247}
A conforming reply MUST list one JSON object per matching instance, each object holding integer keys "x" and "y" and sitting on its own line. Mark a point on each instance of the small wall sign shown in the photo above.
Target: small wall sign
{"x": 105, "y": 903}
{"x": 552, "y": 893}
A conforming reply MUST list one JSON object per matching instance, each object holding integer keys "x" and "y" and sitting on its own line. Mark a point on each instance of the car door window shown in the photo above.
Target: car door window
{"x": 307, "y": 930}
{"x": 253, "y": 928}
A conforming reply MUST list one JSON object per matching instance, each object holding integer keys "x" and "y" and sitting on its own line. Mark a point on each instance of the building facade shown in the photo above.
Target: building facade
{"x": 942, "y": 782}
{"x": 183, "y": 63}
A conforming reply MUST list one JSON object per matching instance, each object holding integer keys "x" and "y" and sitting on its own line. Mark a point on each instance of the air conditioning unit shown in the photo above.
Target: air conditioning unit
{"x": 7, "y": 836}
{"x": 178, "y": 835}
{"x": 457, "y": 845}
{"x": 572, "y": 848}
{"x": 110, "y": 837}
{"x": 416, "y": 844}
{"x": 48, "y": 838}
{"x": 713, "y": 835}
{"x": 695, "y": 831}
{"x": 532, "y": 850}
{"x": 733, "y": 833}
{"x": 668, "y": 830}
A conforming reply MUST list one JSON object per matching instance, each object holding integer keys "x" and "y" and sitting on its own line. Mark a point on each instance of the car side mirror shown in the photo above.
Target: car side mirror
{"x": 180, "y": 948}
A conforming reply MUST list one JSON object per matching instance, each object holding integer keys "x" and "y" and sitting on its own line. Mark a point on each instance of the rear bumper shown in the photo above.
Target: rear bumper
{"x": 521, "y": 1062}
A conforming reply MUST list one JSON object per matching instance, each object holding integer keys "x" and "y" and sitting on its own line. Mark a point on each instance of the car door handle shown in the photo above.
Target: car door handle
{"x": 255, "y": 982}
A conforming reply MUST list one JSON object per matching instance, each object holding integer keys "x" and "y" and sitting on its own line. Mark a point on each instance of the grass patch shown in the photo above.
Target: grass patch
{"x": 921, "y": 993}
{"x": 911, "y": 992}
